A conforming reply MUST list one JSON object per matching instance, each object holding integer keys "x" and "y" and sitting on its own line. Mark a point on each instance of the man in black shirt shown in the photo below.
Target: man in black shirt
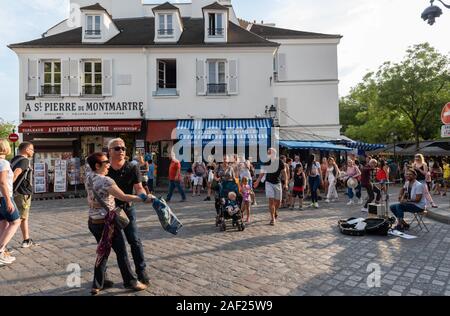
{"x": 274, "y": 171}
{"x": 128, "y": 178}
{"x": 23, "y": 188}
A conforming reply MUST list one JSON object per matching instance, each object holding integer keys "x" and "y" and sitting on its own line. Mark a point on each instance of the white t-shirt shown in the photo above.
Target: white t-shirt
{"x": 417, "y": 189}
{"x": 5, "y": 166}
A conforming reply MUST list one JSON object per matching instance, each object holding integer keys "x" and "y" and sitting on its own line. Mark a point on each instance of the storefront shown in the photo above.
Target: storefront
{"x": 72, "y": 142}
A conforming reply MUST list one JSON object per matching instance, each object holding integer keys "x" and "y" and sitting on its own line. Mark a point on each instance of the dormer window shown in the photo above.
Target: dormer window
{"x": 165, "y": 25}
{"x": 93, "y": 29}
{"x": 216, "y": 28}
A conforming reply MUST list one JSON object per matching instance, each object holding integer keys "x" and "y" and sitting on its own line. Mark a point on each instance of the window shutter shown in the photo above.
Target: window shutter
{"x": 282, "y": 110}
{"x": 201, "y": 77}
{"x": 33, "y": 77}
{"x": 107, "y": 77}
{"x": 65, "y": 78}
{"x": 75, "y": 86}
{"x": 233, "y": 74}
{"x": 282, "y": 75}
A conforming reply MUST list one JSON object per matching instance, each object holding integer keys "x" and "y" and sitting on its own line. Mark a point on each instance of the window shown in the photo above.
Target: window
{"x": 93, "y": 26}
{"x": 165, "y": 25}
{"x": 92, "y": 78}
{"x": 167, "y": 77}
{"x": 52, "y": 78}
{"x": 216, "y": 25}
{"x": 216, "y": 77}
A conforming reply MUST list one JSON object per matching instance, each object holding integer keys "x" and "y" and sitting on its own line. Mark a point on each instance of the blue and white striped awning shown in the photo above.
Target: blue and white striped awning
{"x": 364, "y": 146}
{"x": 322, "y": 146}
{"x": 222, "y": 130}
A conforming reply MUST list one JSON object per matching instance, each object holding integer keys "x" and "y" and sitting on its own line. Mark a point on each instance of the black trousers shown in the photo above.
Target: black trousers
{"x": 119, "y": 247}
{"x": 371, "y": 191}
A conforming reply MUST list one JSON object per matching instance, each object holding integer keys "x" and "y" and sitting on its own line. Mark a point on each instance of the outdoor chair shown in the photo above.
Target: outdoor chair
{"x": 418, "y": 218}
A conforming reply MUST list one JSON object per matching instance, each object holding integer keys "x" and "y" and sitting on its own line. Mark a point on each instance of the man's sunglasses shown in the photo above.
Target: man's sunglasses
{"x": 105, "y": 162}
{"x": 118, "y": 148}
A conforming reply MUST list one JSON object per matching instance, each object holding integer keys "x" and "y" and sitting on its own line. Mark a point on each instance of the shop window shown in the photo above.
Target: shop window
{"x": 52, "y": 78}
{"x": 167, "y": 77}
{"x": 92, "y": 78}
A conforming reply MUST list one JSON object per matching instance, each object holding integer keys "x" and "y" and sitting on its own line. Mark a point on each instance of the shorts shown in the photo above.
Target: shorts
{"x": 23, "y": 203}
{"x": 274, "y": 191}
{"x": 7, "y": 216}
{"x": 299, "y": 194}
{"x": 198, "y": 180}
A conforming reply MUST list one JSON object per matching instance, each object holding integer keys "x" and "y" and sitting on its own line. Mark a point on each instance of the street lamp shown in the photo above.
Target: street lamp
{"x": 271, "y": 112}
{"x": 432, "y": 12}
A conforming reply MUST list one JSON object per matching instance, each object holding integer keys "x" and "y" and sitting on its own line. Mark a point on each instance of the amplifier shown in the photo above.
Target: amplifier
{"x": 378, "y": 210}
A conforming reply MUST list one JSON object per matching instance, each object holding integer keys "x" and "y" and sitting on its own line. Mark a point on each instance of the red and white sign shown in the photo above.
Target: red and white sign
{"x": 13, "y": 138}
{"x": 445, "y": 116}
{"x": 55, "y": 127}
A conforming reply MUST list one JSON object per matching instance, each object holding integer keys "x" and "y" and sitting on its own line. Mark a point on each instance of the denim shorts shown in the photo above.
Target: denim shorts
{"x": 5, "y": 215}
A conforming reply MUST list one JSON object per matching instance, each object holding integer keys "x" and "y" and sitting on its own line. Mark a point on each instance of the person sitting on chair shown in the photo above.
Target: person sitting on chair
{"x": 412, "y": 200}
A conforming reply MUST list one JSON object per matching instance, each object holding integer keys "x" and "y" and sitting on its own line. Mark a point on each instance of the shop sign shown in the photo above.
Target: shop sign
{"x": 80, "y": 129}
{"x": 83, "y": 110}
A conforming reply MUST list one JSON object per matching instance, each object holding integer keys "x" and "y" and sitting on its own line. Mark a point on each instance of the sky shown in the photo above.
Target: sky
{"x": 374, "y": 31}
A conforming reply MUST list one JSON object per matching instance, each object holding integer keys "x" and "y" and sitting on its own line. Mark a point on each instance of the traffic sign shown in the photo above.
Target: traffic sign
{"x": 445, "y": 131}
{"x": 445, "y": 115}
{"x": 13, "y": 138}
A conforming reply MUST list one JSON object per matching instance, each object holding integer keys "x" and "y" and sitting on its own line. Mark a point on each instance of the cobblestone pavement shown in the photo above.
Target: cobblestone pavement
{"x": 304, "y": 254}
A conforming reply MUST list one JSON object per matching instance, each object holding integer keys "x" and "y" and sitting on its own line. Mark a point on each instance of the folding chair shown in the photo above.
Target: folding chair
{"x": 418, "y": 217}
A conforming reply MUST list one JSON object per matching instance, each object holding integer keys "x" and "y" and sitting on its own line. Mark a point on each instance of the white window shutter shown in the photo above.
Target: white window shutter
{"x": 75, "y": 85}
{"x": 33, "y": 78}
{"x": 107, "y": 73}
{"x": 201, "y": 77}
{"x": 282, "y": 110}
{"x": 233, "y": 76}
{"x": 65, "y": 77}
{"x": 282, "y": 74}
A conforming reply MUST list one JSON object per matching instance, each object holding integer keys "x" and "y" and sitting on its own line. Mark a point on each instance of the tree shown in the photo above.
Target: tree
{"x": 417, "y": 88}
{"x": 5, "y": 128}
{"x": 402, "y": 99}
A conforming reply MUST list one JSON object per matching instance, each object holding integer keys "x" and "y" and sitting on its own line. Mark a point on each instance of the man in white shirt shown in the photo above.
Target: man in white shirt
{"x": 295, "y": 162}
{"x": 412, "y": 200}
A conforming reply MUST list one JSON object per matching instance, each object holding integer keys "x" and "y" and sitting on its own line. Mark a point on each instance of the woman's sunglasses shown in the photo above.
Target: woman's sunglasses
{"x": 105, "y": 162}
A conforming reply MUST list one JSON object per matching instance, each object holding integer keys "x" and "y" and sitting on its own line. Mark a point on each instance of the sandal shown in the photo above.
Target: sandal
{"x": 272, "y": 223}
{"x": 95, "y": 292}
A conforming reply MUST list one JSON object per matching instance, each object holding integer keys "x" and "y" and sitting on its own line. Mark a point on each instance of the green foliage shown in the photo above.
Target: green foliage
{"x": 400, "y": 101}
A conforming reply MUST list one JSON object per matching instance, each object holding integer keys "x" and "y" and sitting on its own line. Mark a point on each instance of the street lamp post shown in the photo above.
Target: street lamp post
{"x": 432, "y": 12}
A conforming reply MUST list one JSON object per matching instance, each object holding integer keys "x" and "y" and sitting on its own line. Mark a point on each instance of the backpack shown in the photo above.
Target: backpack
{"x": 24, "y": 174}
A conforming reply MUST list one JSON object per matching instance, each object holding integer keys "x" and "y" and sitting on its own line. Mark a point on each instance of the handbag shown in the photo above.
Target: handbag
{"x": 121, "y": 219}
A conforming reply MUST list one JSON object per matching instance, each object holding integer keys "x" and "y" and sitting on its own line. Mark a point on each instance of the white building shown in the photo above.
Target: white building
{"x": 124, "y": 68}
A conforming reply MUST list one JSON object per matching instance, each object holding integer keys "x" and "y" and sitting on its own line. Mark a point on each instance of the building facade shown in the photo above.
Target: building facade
{"x": 155, "y": 74}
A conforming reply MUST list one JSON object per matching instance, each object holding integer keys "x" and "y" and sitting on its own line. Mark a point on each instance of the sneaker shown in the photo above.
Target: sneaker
{"x": 5, "y": 258}
{"x": 207, "y": 199}
{"x": 365, "y": 210}
{"x": 28, "y": 243}
{"x": 327, "y": 201}
{"x": 360, "y": 201}
{"x": 316, "y": 205}
{"x": 143, "y": 278}
{"x": 350, "y": 202}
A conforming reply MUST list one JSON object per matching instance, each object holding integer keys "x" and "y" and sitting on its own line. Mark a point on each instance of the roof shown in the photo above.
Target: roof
{"x": 165, "y": 6}
{"x": 271, "y": 32}
{"x": 139, "y": 32}
{"x": 96, "y": 6}
{"x": 215, "y": 6}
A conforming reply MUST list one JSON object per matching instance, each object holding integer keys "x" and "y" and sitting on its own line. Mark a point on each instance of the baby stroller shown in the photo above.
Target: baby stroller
{"x": 228, "y": 209}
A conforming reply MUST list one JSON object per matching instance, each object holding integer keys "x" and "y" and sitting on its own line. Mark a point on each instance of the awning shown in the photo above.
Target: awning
{"x": 161, "y": 130}
{"x": 313, "y": 145}
{"x": 54, "y": 127}
{"x": 232, "y": 130}
{"x": 363, "y": 146}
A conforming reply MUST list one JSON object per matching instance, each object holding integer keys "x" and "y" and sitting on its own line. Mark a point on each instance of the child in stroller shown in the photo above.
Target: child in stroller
{"x": 229, "y": 205}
